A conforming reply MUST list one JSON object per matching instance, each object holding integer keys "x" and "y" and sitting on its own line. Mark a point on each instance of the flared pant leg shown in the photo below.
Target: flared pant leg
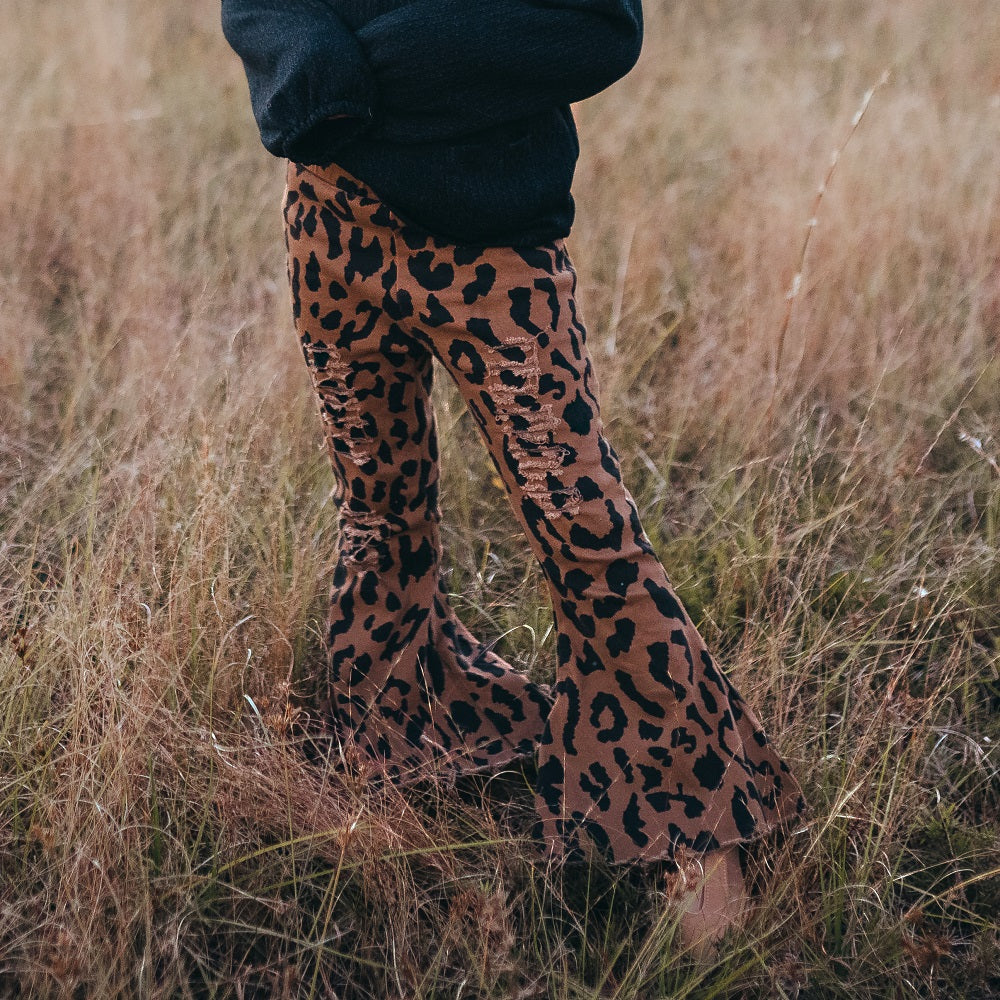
{"x": 410, "y": 686}
{"x": 646, "y": 749}
{"x": 648, "y": 746}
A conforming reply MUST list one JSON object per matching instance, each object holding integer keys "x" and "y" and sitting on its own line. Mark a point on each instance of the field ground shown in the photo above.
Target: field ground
{"x": 824, "y": 492}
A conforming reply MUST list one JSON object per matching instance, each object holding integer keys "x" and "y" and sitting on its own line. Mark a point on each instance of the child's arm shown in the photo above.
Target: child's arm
{"x": 310, "y": 84}
{"x": 445, "y": 67}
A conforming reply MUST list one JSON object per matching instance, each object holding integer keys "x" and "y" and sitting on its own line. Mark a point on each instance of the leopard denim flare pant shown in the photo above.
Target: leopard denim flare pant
{"x": 644, "y": 747}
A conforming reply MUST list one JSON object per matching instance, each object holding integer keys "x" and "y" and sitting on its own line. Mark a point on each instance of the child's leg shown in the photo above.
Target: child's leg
{"x": 408, "y": 681}
{"x": 648, "y": 744}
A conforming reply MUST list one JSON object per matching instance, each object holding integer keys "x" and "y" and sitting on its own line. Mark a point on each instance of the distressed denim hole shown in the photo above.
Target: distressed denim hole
{"x": 339, "y": 406}
{"x": 530, "y": 443}
{"x": 363, "y": 539}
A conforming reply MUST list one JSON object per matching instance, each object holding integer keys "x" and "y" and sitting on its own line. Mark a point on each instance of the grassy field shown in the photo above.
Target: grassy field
{"x": 815, "y": 459}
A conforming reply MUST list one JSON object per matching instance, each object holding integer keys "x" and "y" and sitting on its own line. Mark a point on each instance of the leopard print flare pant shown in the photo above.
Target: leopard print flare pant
{"x": 643, "y": 746}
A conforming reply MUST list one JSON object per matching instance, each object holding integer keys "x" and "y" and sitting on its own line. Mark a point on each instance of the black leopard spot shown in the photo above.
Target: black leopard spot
{"x": 536, "y": 258}
{"x": 520, "y": 309}
{"x": 569, "y": 688}
{"x": 648, "y": 731}
{"x": 633, "y": 821}
{"x": 627, "y": 684}
{"x": 312, "y": 273}
{"x": 652, "y": 777}
{"x": 579, "y": 415}
{"x": 550, "y": 777}
{"x": 666, "y": 603}
{"x": 436, "y": 314}
{"x": 621, "y": 641}
{"x": 624, "y": 764}
{"x": 595, "y": 782}
{"x": 659, "y": 669}
{"x": 681, "y": 739}
{"x": 608, "y": 607}
{"x": 430, "y": 276}
{"x": 331, "y": 226}
{"x": 709, "y": 769}
{"x": 364, "y": 260}
{"x": 332, "y": 320}
{"x": 745, "y": 821}
{"x": 589, "y": 662}
{"x": 621, "y": 574}
{"x": 609, "y": 732}
{"x": 465, "y": 716}
{"x": 486, "y": 275}
{"x": 708, "y": 699}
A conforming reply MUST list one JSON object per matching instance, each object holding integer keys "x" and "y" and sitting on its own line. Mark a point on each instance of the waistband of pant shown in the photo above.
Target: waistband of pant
{"x": 363, "y": 205}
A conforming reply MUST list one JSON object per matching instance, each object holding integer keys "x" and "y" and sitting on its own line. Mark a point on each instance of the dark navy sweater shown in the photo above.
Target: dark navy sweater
{"x": 457, "y": 110}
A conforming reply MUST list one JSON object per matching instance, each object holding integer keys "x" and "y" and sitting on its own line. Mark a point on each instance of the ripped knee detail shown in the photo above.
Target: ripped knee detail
{"x": 363, "y": 539}
{"x": 529, "y": 428}
{"x": 340, "y": 410}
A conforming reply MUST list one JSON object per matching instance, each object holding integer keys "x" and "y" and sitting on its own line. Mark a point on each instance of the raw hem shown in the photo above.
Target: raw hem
{"x": 539, "y": 849}
{"x": 575, "y": 856}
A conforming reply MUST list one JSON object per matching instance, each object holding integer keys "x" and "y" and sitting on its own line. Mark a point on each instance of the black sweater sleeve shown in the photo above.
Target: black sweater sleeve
{"x": 303, "y": 65}
{"x": 447, "y": 67}
{"x": 425, "y": 71}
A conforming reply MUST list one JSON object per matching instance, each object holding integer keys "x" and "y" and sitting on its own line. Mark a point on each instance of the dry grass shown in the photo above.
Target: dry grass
{"x": 166, "y": 526}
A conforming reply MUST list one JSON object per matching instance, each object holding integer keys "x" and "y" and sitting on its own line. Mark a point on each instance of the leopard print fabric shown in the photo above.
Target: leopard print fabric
{"x": 643, "y": 746}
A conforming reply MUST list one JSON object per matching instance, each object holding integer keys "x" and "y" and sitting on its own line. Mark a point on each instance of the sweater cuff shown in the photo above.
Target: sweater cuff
{"x": 316, "y": 139}
{"x": 303, "y": 65}
{"x": 324, "y": 80}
